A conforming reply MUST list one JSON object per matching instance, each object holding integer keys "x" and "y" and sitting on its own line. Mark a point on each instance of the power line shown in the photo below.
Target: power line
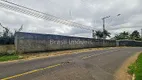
{"x": 38, "y": 14}
{"x": 26, "y": 7}
{"x": 70, "y": 10}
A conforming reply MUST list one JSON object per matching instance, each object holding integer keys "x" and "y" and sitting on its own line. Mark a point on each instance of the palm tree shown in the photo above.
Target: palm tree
{"x": 122, "y": 35}
{"x": 106, "y": 33}
{"x": 125, "y": 35}
{"x": 99, "y": 34}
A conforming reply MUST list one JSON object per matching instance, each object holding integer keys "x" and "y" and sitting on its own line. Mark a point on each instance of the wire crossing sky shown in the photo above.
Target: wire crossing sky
{"x": 22, "y": 9}
{"x": 80, "y": 14}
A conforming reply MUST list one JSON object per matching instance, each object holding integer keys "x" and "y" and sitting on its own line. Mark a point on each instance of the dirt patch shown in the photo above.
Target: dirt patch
{"x": 121, "y": 73}
{"x": 59, "y": 53}
{"x": 31, "y": 56}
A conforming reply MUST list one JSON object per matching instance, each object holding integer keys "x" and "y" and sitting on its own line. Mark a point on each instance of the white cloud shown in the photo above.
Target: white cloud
{"x": 87, "y": 12}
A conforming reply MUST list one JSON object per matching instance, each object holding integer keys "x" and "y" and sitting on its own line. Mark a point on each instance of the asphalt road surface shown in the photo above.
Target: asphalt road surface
{"x": 95, "y": 65}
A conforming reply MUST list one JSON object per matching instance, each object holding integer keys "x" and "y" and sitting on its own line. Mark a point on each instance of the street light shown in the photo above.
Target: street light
{"x": 104, "y": 26}
{"x": 93, "y": 33}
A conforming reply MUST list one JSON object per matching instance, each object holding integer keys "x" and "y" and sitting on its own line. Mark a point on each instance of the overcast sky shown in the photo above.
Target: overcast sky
{"x": 87, "y": 12}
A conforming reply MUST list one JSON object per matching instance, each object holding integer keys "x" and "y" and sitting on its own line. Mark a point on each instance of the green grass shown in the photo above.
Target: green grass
{"x": 132, "y": 68}
{"x": 8, "y": 57}
{"x": 136, "y": 68}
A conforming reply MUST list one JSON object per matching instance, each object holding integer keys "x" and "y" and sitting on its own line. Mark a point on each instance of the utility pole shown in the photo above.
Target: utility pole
{"x": 104, "y": 28}
{"x": 93, "y": 34}
{"x": 141, "y": 33}
{"x": 104, "y": 36}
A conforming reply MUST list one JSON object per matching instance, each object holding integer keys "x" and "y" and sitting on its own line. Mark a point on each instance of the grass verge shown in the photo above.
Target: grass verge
{"x": 136, "y": 68}
{"x": 9, "y": 57}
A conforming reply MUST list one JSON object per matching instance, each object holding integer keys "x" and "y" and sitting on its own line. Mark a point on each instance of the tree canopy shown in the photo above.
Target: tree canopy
{"x": 7, "y": 37}
{"x": 135, "y": 35}
{"x": 99, "y": 34}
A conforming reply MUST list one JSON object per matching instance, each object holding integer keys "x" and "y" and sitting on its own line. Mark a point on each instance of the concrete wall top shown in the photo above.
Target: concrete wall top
{"x": 25, "y": 35}
{"x": 32, "y": 42}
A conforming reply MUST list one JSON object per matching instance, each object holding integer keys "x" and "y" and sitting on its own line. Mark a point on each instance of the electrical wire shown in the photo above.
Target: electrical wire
{"x": 38, "y": 14}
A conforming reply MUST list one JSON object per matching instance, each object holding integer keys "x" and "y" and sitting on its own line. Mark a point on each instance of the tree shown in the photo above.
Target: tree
{"x": 106, "y": 33}
{"x": 125, "y": 35}
{"x": 7, "y": 37}
{"x": 6, "y": 31}
{"x": 122, "y": 35}
{"x": 99, "y": 34}
{"x": 135, "y": 35}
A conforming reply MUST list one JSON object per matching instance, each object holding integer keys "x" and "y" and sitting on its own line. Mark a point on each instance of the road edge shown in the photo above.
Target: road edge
{"x": 121, "y": 73}
{"x": 54, "y": 55}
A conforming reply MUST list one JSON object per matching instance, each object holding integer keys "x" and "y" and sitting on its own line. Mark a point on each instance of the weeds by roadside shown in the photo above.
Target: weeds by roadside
{"x": 9, "y": 56}
{"x": 136, "y": 68}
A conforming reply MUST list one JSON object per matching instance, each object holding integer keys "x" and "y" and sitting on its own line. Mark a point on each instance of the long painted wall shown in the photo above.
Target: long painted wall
{"x": 33, "y": 42}
{"x": 130, "y": 43}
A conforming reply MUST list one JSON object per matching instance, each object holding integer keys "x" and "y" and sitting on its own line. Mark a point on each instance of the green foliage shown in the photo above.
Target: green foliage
{"x": 132, "y": 68}
{"x": 107, "y": 34}
{"x": 99, "y": 34}
{"x": 6, "y": 40}
{"x": 6, "y": 37}
{"x": 138, "y": 71}
{"x": 136, "y": 68}
{"x": 126, "y": 36}
{"x": 135, "y": 35}
{"x": 123, "y": 35}
{"x": 8, "y": 57}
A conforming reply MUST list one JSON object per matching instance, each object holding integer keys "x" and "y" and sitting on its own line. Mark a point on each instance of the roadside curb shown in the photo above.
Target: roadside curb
{"x": 121, "y": 73}
{"x": 133, "y": 77}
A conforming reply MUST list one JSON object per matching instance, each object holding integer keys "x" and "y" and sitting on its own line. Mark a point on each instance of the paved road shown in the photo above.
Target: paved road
{"x": 95, "y": 65}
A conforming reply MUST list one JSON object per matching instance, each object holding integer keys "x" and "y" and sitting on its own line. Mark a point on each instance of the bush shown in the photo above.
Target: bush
{"x": 6, "y": 40}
